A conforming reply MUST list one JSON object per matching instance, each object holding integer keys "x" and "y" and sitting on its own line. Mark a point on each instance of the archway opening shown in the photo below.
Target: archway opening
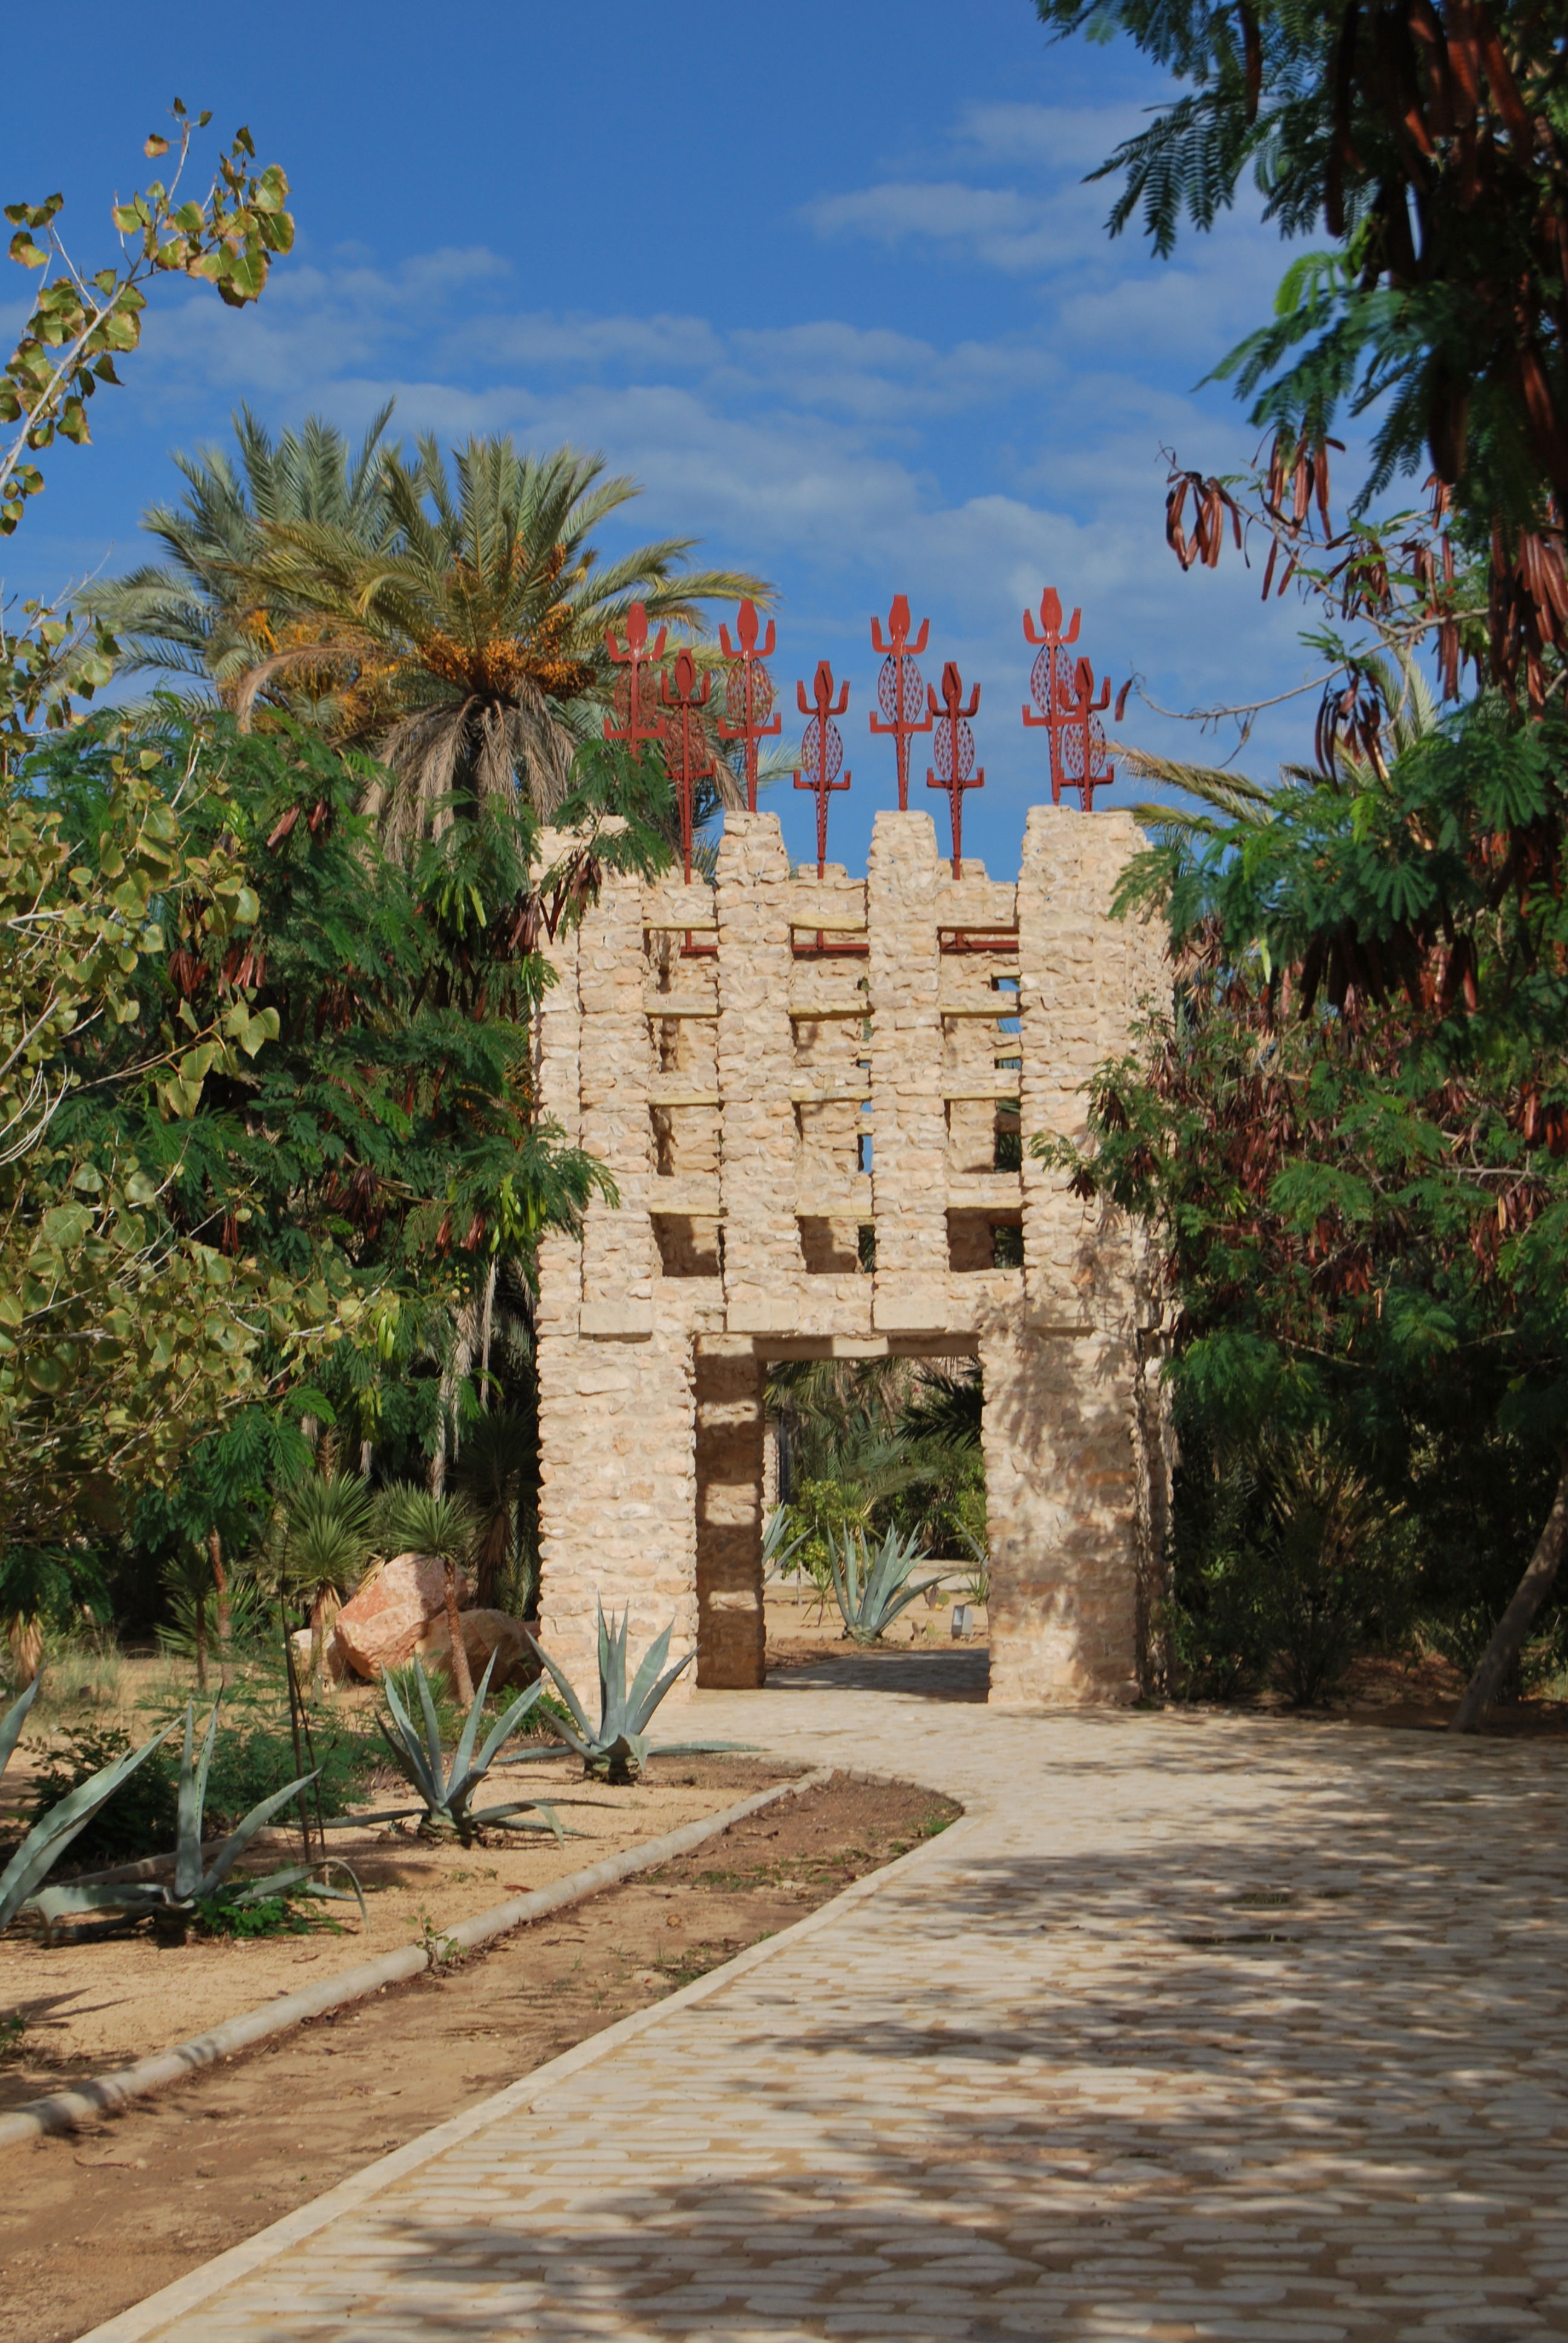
{"x": 881, "y": 1457}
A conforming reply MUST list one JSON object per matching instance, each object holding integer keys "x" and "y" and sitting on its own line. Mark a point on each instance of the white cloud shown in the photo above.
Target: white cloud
{"x": 1004, "y": 229}
{"x": 1061, "y": 137}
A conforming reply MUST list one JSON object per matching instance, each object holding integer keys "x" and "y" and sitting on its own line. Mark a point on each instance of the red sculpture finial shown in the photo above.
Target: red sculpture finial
{"x": 1063, "y": 695}
{"x": 749, "y": 692}
{"x": 821, "y": 750}
{"x": 691, "y": 760}
{"x": 900, "y": 688}
{"x": 636, "y": 718}
{"x": 955, "y": 751}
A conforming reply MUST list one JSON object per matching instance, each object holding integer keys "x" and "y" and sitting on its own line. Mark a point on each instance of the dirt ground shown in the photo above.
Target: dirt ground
{"x": 88, "y": 2007}
{"x": 97, "y": 2219}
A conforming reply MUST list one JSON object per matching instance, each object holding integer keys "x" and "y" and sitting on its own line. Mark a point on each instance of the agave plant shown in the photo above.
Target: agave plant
{"x": 617, "y": 1749}
{"x": 778, "y": 1548}
{"x": 447, "y": 1791}
{"x": 174, "y": 1905}
{"x": 976, "y": 1586}
{"x": 872, "y": 1589}
{"x": 52, "y": 1832}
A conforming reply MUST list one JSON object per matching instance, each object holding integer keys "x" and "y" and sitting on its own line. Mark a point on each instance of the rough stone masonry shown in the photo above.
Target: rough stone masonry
{"x": 815, "y": 1097}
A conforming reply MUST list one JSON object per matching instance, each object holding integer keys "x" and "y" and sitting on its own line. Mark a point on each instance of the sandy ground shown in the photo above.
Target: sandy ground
{"x": 91, "y": 2006}
{"x": 96, "y": 2220}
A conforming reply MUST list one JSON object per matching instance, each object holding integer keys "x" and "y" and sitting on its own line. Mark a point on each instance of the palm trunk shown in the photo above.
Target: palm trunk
{"x": 486, "y": 1324}
{"x": 462, "y": 1682}
{"x": 1508, "y": 1640}
{"x": 25, "y": 1639}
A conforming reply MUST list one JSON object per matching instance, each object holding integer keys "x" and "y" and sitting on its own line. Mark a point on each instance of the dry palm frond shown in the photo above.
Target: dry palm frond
{"x": 1230, "y": 796}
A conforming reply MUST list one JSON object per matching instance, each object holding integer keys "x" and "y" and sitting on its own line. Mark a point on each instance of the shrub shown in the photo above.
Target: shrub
{"x": 248, "y": 1764}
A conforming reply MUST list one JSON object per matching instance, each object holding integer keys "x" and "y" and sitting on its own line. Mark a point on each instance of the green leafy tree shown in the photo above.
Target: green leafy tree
{"x": 385, "y": 1143}
{"x": 1350, "y": 1137}
{"x": 1432, "y": 144}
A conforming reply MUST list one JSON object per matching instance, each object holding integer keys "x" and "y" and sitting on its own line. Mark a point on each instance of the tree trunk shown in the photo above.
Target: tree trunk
{"x": 220, "y": 1579}
{"x": 317, "y": 1644}
{"x": 1508, "y": 1641}
{"x": 462, "y": 1682}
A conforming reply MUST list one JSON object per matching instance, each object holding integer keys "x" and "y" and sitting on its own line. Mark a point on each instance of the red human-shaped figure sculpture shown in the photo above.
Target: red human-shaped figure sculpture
{"x": 1064, "y": 702}
{"x": 749, "y": 692}
{"x": 636, "y": 718}
{"x": 822, "y": 750}
{"x": 901, "y": 686}
{"x": 689, "y": 758}
{"x": 955, "y": 751}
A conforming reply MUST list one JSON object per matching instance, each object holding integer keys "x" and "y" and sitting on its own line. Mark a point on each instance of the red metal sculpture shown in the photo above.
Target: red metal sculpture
{"x": 637, "y": 718}
{"x": 955, "y": 751}
{"x": 1064, "y": 702}
{"x": 822, "y": 750}
{"x": 901, "y": 687}
{"x": 690, "y": 759}
{"x": 749, "y": 692}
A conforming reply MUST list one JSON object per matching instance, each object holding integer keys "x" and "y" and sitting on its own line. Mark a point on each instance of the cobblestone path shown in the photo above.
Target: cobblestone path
{"x": 1193, "y": 2027}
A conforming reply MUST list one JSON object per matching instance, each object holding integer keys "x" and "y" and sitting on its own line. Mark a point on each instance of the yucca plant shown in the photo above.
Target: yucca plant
{"x": 54, "y": 1832}
{"x": 617, "y": 1749}
{"x": 872, "y": 1589}
{"x": 173, "y": 1906}
{"x": 327, "y": 1536}
{"x": 418, "y": 1521}
{"x": 447, "y": 1790}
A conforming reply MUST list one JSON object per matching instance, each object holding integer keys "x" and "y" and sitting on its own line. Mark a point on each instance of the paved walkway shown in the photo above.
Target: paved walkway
{"x": 1194, "y": 2028}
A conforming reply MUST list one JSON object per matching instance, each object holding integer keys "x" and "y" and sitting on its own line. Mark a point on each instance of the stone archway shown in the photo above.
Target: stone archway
{"x": 802, "y": 1088}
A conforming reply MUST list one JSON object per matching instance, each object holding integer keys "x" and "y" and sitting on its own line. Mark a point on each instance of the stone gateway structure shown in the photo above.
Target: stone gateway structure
{"x": 809, "y": 1093}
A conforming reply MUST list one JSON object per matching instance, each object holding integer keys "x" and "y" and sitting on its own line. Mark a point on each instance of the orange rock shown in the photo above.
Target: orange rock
{"x": 484, "y": 1633}
{"x": 385, "y": 1621}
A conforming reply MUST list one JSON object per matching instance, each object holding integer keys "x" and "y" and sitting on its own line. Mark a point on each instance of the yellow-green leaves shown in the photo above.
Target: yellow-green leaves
{"x": 228, "y": 239}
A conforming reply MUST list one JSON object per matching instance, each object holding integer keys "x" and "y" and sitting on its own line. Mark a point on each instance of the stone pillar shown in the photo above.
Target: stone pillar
{"x": 1062, "y": 1517}
{"x": 619, "y": 1258}
{"x": 617, "y": 1494}
{"x": 1069, "y": 1520}
{"x": 908, "y": 1121}
{"x": 730, "y": 1635}
{"x": 762, "y": 1263}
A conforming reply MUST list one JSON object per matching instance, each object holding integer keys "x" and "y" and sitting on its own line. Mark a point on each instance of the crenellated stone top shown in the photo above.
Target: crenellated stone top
{"x": 815, "y": 1094}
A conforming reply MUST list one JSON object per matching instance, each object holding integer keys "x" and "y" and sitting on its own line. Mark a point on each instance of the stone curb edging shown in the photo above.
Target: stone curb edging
{"x": 63, "y": 2110}
{"x": 199, "y": 2286}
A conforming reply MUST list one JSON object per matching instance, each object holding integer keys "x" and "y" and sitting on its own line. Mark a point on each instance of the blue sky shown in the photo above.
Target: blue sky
{"x": 826, "y": 280}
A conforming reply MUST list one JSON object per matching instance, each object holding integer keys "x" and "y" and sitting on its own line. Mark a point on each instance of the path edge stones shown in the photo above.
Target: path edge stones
{"x": 64, "y": 2110}
{"x": 200, "y": 2286}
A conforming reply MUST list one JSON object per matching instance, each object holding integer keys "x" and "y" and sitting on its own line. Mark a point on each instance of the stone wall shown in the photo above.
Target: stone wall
{"x": 808, "y": 1092}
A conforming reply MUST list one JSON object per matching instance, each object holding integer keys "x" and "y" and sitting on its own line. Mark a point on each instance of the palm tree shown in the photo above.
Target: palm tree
{"x": 453, "y": 623}
{"x": 498, "y": 1469}
{"x": 197, "y": 615}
